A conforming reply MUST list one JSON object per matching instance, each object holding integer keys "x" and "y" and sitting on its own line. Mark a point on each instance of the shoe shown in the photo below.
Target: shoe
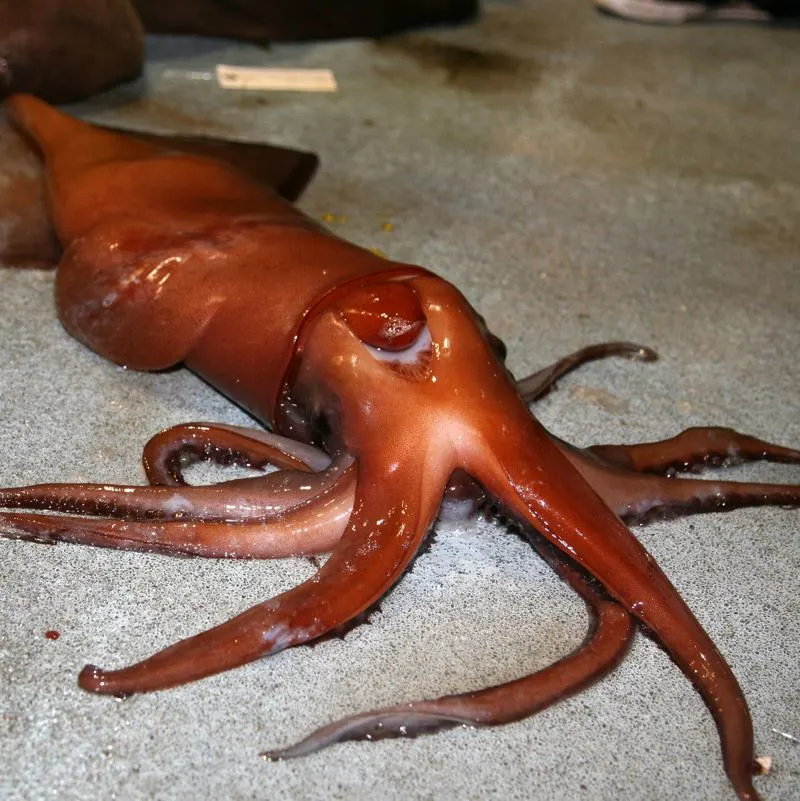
{"x": 678, "y": 12}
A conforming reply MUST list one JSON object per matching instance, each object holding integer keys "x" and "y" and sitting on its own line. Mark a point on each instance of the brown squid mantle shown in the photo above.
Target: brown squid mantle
{"x": 387, "y": 400}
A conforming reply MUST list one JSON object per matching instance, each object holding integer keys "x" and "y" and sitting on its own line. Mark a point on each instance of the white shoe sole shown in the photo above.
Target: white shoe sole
{"x": 668, "y": 13}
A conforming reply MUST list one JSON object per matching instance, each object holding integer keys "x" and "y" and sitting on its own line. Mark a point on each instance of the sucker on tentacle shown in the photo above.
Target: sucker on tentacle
{"x": 289, "y": 514}
{"x": 257, "y": 499}
{"x": 167, "y": 453}
{"x": 386, "y": 394}
{"x": 692, "y": 450}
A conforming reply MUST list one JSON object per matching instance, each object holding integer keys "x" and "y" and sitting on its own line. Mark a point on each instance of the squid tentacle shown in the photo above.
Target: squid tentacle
{"x": 169, "y": 451}
{"x": 573, "y": 517}
{"x": 310, "y": 527}
{"x": 381, "y": 537}
{"x": 693, "y": 449}
{"x": 537, "y": 385}
{"x": 260, "y": 498}
{"x": 640, "y": 497}
{"x": 607, "y": 642}
{"x": 318, "y": 351}
{"x": 302, "y": 532}
{"x": 664, "y": 498}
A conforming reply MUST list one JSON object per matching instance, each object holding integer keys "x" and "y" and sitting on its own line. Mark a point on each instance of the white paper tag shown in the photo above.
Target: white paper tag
{"x": 276, "y": 79}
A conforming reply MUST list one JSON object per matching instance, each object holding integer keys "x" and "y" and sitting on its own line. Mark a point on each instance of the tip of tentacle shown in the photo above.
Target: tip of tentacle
{"x": 742, "y": 780}
{"x": 748, "y": 793}
{"x": 96, "y": 680}
{"x": 272, "y": 756}
{"x": 381, "y": 724}
{"x": 644, "y": 354}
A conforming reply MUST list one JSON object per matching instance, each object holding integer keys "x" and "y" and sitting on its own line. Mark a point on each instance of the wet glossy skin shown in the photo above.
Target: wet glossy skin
{"x": 27, "y": 238}
{"x": 392, "y": 397}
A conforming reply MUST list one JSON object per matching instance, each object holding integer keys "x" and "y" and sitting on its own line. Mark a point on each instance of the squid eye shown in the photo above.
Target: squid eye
{"x": 387, "y": 315}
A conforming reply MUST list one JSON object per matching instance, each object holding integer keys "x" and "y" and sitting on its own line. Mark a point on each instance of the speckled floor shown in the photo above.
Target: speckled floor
{"x": 581, "y": 179}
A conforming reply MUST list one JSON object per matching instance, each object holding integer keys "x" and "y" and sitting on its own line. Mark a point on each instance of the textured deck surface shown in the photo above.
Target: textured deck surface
{"x": 580, "y": 179}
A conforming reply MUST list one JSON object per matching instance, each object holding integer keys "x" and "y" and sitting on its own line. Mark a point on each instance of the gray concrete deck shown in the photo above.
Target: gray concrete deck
{"x": 580, "y": 179}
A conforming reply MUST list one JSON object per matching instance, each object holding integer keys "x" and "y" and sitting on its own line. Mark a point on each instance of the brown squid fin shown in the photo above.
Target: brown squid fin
{"x": 28, "y": 239}
{"x": 283, "y": 169}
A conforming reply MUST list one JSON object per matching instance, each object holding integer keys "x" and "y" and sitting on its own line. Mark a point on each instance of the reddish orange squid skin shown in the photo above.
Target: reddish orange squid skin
{"x": 136, "y": 283}
{"x": 175, "y": 259}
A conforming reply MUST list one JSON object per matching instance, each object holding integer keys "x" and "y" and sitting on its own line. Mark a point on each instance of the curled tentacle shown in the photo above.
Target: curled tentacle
{"x": 694, "y": 449}
{"x": 536, "y": 386}
{"x": 382, "y": 536}
{"x": 606, "y": 644}
{"x": 169, "y": 451}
